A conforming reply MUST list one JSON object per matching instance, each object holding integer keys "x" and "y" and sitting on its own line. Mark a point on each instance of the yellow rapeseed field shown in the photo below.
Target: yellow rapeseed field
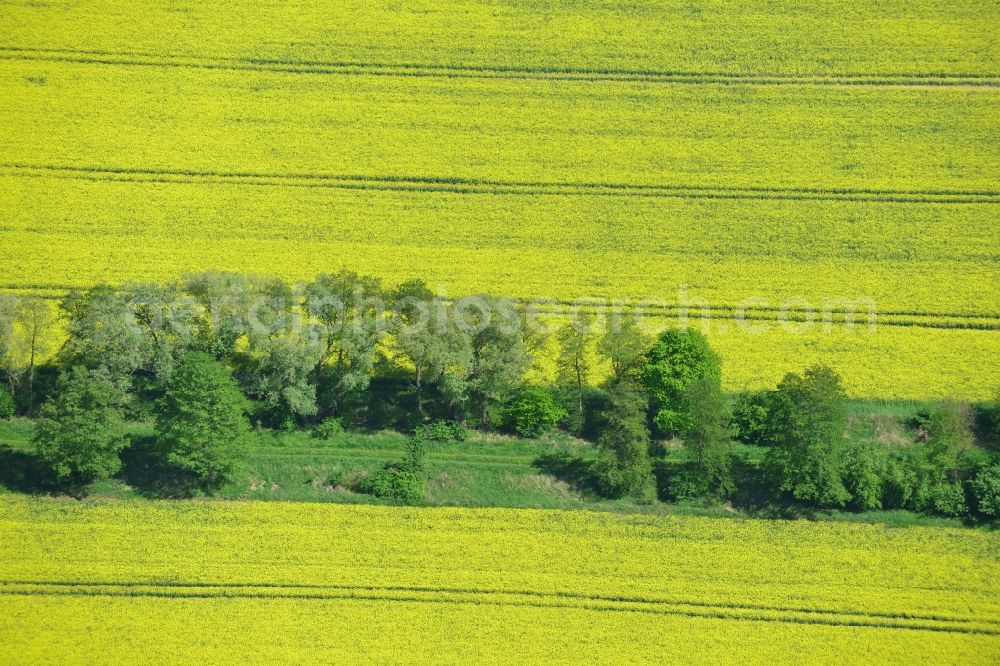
{"x": 298, "y": 583}
{"x": 728, "y": 153}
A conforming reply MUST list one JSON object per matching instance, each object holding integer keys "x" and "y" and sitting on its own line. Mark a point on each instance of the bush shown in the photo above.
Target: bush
{"x": 444, "y": 432}
{"x": 416, "y": 450}
{"x": 900, "y": 485}
{"x": 327, "y": 429}
{"x": 682, "y": 482}
{"x": 615, "y": 479}
{"x": 7, "y": 406}
{"x": 81, "y": 429}
{"x": 535, "y": 412}
{"x": 402, "y": 482}
{"x": 985, "y": 491}
{"x": 948, "y": 499}
{"x": 949, "y": 435}
{"x": 395, "y": 483}
{"x": 921, "y": 422}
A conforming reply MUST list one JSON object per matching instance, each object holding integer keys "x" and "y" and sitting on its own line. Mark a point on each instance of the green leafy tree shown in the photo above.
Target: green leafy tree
{"x": 807, "y": 421}
{"x": 252, "y": 323}
{"x": 80, "y": 429}
{"x": 707, "y": 434}
{"x": 35, "y": 321}
{"x": 233, "y": 310}
{"x": 201, "y": 423}
{"x": 624, "y": 467}
{"x": 948, "y": 499}
{"x": 165, "y": 317}
{"x": 103, "y": 334}
{"x": 576, "y": 339}
{"x": 867, "y": 475}
{"x": 994, "y": 416}
{"x": 346, "y": 309}
{"x": 535, "y": 412}
{"x": 679, "y": 357}
{"x": 222, "y": 302}
{"x": 8, "y": 312}
{"x": 277, "y": 373}
{"x": 537, "y": 335}
{"x": 436, "y": 349}
{"x": 499, "y": 358}
{"x": 624, "y": 345}
{"x": 750, "y": 417}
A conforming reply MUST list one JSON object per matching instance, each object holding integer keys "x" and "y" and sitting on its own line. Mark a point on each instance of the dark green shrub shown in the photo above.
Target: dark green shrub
{"x": 395, "y": 483}
{"x": 662, "y": 472}
{"x": 993, "y": 415}
{"x": 535, "y": 412}
{"x": 616, "y": 479}
{"x": 985, "y": 491}
{"x": 441, "y": 431}
{"x": 949, "y": 435}
{"x": 403, "y": 482}
{"x": 900, "y": 485}
{"x": 327, "y": 429}
{"x": 682, "y": 482}
{"x": 921, "y": 421}
{"x": 416, "y": 450}
{"x": 7, "y": 406}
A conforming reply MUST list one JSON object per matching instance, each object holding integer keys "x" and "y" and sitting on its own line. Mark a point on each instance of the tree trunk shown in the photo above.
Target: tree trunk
{"x": 31, "y": 372}
{"x": 420, "y": 397}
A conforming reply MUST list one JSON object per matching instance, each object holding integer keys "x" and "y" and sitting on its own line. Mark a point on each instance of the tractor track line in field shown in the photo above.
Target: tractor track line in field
{"x": 527, "y": 598}
{"x": 668, "y": 308}
{"x": 789, "y": 316}
{"x": 592, "y": 75}
{"x": 459, "y": 185}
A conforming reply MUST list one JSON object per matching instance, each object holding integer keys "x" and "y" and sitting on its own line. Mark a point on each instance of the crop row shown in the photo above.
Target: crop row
{"x": 757, "y": 37}
{"x": 488, "y": 72}
{"x": 456, "y": 185}
{"x": 39, "y": 629}
{"x": 509, "y": 598}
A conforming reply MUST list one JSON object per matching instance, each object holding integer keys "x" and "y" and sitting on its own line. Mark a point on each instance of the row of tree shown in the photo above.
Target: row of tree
{"x": 300, "y": 354}
{"x": 199, "y": 354}
{"x": 799, "y": 434}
